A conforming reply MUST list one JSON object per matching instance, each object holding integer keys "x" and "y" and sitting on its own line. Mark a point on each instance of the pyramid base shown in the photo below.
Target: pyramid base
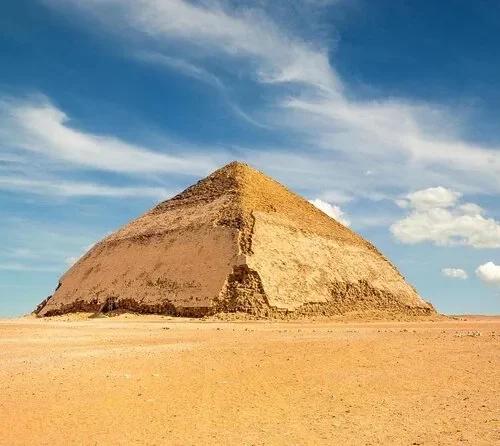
{"x": 128, "y": 305}
{"x": 243, "y": 293}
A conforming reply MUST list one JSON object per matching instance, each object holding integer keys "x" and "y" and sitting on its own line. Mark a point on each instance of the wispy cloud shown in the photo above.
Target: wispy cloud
{"x": 40, "y": 148}
{"x": 276, "y": 55}
{"x": 21, "y": 253}
{"x": 16, "y": 266}
{"x": 64, "y": 188}
{"x": 403, "y": 143}
{"x": 196, "y": 72}
{"x": 36, "y": 125}
{"x": 10, "y": 158}
{"x": 183, "y": 66}
{"x": 31, "y": 245}
{"x": 411, "y": 136}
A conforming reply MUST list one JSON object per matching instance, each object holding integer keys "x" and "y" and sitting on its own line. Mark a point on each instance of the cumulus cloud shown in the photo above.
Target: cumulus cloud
{"x": 433, "y": 197}
{"x": 455, "y": 273}
{"x": 489, "y": 273}
{"x": 436, "y": 217}
{"x": 471, "y": 209}
{"x": 331, "y": 210}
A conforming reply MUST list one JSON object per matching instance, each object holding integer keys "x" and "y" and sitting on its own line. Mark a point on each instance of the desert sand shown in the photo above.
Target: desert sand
{"x": 153, "y": 380}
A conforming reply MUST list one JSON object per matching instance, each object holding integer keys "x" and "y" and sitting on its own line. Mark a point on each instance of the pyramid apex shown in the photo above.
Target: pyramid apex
{"x": 237, "y": 165}
{"x": 236, "y": 171}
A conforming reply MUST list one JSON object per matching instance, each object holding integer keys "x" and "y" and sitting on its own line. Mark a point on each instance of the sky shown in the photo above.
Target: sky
{"x": 383, "y": 113}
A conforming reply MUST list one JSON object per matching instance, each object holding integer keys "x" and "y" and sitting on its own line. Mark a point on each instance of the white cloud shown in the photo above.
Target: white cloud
{"x": 38, "y": 126}
{"x": 15, "y": 266}
{"x": 471, "y": 209}
{"x": 489, "y": 273}
{"x": 455, "y": 273}
{"x": 433, "y": 197}
{"x": 417, "y": 140}
{"x": 241, "y": 33}
{"x": 435, "y": 217}
{"x": 407, "y": 144}
{"x": 331, "y": 210}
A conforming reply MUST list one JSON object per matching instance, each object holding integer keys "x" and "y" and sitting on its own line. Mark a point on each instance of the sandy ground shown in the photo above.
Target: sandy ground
{"x": 157, "y": 381}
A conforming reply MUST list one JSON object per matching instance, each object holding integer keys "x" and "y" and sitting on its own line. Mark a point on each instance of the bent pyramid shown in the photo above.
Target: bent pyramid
{"x": 235, "y": 241}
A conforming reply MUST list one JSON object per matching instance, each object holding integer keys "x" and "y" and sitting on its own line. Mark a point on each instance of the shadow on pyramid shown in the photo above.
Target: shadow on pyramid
{"x": 237, "y": 241}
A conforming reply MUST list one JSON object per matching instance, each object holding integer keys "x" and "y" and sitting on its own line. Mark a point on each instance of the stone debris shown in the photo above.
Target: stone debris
{"x": 471, "y": 334}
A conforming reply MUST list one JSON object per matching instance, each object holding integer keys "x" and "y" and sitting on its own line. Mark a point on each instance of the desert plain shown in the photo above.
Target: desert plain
{"x": 153, "y": 380}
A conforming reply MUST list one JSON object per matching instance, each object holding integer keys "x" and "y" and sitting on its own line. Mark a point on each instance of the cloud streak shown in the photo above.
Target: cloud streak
{"x": 37, "y": 246}
{"x": 16, "y": 266}
{"x": 69, "y": 189}
{"x": 183, "y": 67}
{"x": 38, "y": 126}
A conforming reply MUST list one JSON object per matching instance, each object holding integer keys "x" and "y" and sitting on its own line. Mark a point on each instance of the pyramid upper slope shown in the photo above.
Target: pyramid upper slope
{"x": 248, "y": 190}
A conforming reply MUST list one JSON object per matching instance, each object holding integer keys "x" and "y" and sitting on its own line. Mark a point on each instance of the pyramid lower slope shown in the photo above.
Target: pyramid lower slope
{"x": 235, "y": 241}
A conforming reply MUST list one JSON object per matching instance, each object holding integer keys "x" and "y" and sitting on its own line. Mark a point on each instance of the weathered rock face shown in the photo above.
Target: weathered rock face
{"x": 235, "y": 241}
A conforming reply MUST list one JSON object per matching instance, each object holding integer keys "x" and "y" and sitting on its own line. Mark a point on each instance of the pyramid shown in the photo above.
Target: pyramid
{"x": 235, "y": 241}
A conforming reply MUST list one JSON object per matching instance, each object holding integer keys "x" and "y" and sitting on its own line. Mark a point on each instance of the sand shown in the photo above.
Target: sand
{"x": 154, "y": 380}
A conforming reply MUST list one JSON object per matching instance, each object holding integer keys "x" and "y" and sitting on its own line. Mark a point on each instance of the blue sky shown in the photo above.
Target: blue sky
{"x": 383, "y": 112}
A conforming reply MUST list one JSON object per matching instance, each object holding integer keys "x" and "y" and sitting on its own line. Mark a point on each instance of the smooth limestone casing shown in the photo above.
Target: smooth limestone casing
{"x": 298, "y": 268}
